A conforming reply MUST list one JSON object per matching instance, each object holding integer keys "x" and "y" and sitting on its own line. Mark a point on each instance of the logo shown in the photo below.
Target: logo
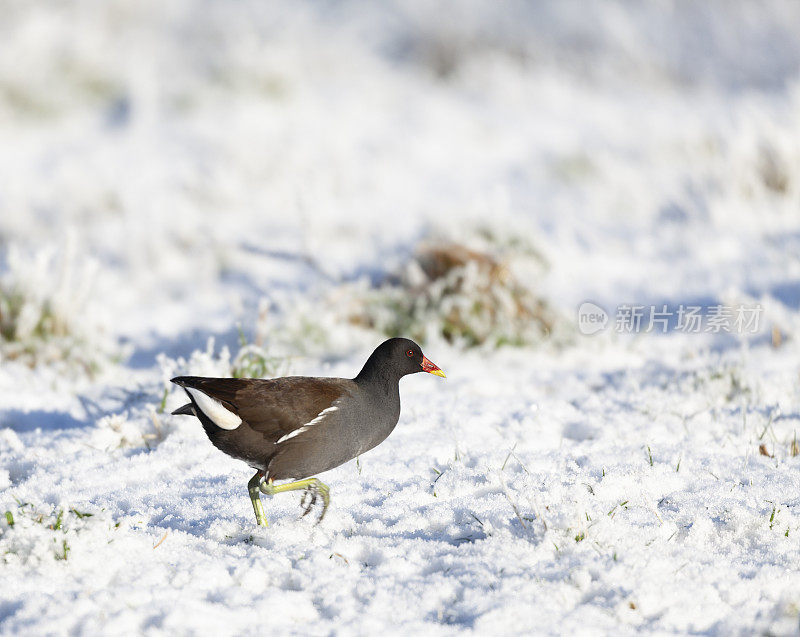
{"x": 591, "y": 318}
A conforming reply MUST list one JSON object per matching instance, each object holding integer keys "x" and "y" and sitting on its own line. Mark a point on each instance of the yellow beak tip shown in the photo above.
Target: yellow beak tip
{"x": 437, "y": 372}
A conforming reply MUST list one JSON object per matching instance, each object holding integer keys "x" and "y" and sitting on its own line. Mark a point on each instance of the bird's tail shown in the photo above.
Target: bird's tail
{"x": 186, "y": 410}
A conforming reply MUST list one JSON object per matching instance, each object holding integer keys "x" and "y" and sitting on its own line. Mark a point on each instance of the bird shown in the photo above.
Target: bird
{"x": 295, "y": 427}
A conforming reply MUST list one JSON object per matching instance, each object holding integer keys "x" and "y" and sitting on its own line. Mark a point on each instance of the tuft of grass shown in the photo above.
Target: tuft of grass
{"x": 64, "y": 551}
{"x": 45, "y": 318}
{"x": 649, "y": 455}
{"x": 121, "y": 431}
{"x": 469, "y": 295}
{"x": 252, "y": 360}
{"x": 163, "y": 404}
{"x": 726, "y": 382}
{"x": 580, "y": 537}
{"x": 56, "y": 526}
{"x": 32, "y": 332}
{"x": 613, "y": 510}
{"x": 772, "y": 517}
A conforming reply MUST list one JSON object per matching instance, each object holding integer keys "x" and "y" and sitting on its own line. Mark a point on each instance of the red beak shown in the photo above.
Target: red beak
{"x": 429, "y": 367}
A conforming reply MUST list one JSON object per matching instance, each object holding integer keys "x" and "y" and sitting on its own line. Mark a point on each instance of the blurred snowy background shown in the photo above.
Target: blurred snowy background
{"x": 296, "y": 180}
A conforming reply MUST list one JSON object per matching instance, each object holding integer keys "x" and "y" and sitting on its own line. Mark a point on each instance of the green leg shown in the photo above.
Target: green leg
{"x": 255, "y": 498}
{"x": 314, "y": 486}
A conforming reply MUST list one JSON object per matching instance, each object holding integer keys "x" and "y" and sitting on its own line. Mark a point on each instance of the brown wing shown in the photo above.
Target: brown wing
{"x": 274, "y": 407}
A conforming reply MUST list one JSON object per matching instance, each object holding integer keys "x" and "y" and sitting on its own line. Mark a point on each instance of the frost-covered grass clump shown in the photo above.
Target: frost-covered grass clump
{"x": 253, "y": 359}
{"x": 46, "y": 317}
{"x": 473, "y": 288}
{"x": 31, "y": 536}
{"x": 144, "y": 428}
{"x": 479, "y": 292}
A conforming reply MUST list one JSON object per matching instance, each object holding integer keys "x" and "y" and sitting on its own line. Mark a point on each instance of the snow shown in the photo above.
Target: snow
{"x": 169, "y": 172}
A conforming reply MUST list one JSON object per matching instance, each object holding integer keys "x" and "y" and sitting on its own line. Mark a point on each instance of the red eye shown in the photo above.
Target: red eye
{"x": 410, "y": 353}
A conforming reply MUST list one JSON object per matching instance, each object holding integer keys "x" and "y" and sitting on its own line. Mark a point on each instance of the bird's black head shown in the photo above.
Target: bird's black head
{"x": 398, "y": 357}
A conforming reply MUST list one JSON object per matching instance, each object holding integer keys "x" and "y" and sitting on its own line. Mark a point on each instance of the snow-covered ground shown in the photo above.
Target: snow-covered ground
{"x": 168, "y": 169}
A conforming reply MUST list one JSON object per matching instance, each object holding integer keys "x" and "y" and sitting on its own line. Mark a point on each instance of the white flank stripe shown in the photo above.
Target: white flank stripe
{"x": 220, "y": 415}
{"x": 320, "y": 417}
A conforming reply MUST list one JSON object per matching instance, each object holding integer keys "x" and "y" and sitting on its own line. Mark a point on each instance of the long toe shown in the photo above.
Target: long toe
{"x": 310, "y": 493}
{"x": 326, "y": 500}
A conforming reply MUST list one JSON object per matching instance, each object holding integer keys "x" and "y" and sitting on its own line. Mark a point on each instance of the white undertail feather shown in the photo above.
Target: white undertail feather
{"x": 317, "y": 420}
{"x": 220, "y": 415}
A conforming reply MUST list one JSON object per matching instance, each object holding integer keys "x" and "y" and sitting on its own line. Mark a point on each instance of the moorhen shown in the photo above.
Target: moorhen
{"x": 299, "y": 426}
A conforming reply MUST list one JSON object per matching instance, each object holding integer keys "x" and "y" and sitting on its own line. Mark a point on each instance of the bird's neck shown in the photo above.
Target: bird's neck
{"x": 379, "y": 381}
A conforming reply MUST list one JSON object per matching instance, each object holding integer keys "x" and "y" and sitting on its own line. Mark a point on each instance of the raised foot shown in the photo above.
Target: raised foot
{"x": 311, "y": 493}
{"x": 313, "y": 487}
